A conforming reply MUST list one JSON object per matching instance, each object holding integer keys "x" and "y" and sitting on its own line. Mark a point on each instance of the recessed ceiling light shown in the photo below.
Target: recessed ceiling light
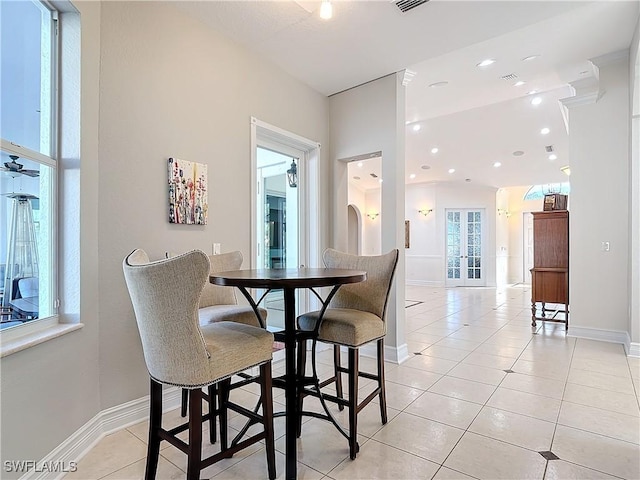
{"x": 545, "y": 131}
{"x": 530, "y": 57}
{"x": 532, "y": 92}
{"x": 407, "y": 122}
{"x": 416, "y": 128}
{"x": 553, "y": 156}
{"x": 434, "y": 150}
{"x": 486, "y": 63}
{"x": 438, "y": 84}
{"x": 360, "y": 164}
{"x": 519, "y": 83}
{"x": 566, "y": 170}
{"x": 356, "y": 178}
{"x": 412, "y": 176}
{"x": 425, "y": 167}
{"x": 518, "y": 153}
{"x": 497, "y": 164}
{"x": 467, "y": 179}
{"x": 380, "y": 181}
{"x": 452, "y": 170}
{"x": 536, "y": 100}
{"x": 584, "y": 72}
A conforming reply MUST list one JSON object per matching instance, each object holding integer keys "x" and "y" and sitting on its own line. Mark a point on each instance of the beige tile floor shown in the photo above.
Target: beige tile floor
{"x": 454, "y": 413}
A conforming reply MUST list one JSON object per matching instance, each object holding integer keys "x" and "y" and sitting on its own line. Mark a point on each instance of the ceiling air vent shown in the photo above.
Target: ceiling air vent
{"x": 406, "y": 5}
{"x": 510, "y": 76}
{"x": 548, "y": 148}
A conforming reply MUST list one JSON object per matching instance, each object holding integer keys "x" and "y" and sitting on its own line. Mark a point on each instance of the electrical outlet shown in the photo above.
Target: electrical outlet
{"x": 606, "y": 246}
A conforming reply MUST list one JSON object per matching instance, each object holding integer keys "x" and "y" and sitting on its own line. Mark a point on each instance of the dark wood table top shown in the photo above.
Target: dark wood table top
{"x": 275, "y": 278}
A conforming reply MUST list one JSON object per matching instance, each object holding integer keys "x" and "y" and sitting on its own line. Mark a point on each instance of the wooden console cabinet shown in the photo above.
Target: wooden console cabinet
{"x": 550, "y": 272}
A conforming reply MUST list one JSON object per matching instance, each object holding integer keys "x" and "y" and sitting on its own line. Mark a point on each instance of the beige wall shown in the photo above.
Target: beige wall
{"x": 599, "y": 141}
{"x": 170, "y": 86}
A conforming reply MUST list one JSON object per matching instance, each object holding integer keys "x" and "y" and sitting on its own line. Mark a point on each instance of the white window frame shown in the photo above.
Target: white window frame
{"x": 34, "y": 332}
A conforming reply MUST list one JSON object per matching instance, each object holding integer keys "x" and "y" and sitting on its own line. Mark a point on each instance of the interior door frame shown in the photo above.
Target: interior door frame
{"x": 463, "y": 281}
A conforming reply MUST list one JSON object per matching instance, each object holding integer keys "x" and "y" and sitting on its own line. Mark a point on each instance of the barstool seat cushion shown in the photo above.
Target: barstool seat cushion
{"x": 345, "y": 326}
{"x": 230, "y": 313}
{"x": 222, "y": 341}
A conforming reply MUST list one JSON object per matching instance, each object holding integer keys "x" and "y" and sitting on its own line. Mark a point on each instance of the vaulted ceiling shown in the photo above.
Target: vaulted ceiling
{"x": 478, "y": 117}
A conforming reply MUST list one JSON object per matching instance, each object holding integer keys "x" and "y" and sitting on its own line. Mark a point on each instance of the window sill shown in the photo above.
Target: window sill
{"x": 10, "y": 344}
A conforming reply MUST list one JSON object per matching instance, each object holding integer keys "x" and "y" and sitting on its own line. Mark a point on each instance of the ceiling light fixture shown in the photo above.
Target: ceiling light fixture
{"x": 486, "y": 63}
{"x": 416, "y": 128}
{"x": 566, "y": 170}
{"x": 536, "y": 100}
{"x": 497, "y": 164}
{"x": 412, "y": 176}
{"x": 438, "y": 84}
{"x": 518, "y": 153}
{"x": 545, "y": 131}
{"x": 425, "y": 167}
{"x": 326, "y": 10}
{"x": 360, "y": 164}
{"x": 434, "y": 150}
{"x": 530, "y": 57}
{"x": 519, "y": 83}
{"x": 532, "y": 92}
{"x": 452, "y": 170}
{"x": 553, "y": 156}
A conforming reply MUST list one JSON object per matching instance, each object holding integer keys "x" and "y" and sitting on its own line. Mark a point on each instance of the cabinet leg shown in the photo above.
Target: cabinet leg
{"x": 533, "y": 314}
{"x": 543, "y": 310}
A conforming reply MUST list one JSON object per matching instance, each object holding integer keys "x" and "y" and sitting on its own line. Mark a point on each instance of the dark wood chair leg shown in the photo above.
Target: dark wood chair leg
{"x": 383, "y": 393}
{"x": 213, "y": 402}
{"x": 353, "y": 402}
{"x": 223, "y": 396}
{"x": 301, "y": 369}
{"x": 267, "y": 417}
{"x": 194, "y": 454}
{"x": 155, "y": 423}
{"x": 337, "y": 374}
{"x": 185, "y": 400}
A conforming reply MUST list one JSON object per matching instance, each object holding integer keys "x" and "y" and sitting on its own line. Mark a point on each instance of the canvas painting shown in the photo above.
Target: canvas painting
{"x": 187, "y": 192}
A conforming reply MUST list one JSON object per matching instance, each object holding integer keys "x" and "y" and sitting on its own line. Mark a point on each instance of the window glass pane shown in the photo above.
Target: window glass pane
{"x": 26, "y": 250}
{"x": 25, "y": 75}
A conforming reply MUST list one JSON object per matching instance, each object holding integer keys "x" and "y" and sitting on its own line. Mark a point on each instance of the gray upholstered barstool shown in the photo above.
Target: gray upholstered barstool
{"x": 179, "y": 351}
{"x": 355, "y": 316}
{"x": 220, "y": 304}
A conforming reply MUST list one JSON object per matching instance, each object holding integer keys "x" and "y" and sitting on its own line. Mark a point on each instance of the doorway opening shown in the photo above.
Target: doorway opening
{"x": 284, "y": 229}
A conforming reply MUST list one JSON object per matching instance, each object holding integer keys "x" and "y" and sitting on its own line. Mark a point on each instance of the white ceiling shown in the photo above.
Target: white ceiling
{"x": 478, "y": 118}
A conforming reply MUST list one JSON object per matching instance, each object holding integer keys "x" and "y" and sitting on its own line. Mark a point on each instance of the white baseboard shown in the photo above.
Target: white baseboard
{"x": 633, "y": 350}
{"x": 612, "y": 336}
{"x": 104, "y": 423}
{"x": 391, "y": 354}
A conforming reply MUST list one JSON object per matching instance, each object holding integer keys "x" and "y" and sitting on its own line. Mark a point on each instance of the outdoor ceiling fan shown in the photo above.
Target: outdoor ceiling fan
{"x": 14, "y": 168}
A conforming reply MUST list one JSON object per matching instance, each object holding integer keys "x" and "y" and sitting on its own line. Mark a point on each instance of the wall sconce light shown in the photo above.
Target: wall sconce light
{"x": 507, "y": 213}
{"x": 425, "y": 211}
{"x": 372, "y": 215}
{"x": 292, "y": 174}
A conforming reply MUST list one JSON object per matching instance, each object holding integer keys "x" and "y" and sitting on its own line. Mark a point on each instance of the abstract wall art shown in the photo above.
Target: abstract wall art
{"x": 187, "y": 192}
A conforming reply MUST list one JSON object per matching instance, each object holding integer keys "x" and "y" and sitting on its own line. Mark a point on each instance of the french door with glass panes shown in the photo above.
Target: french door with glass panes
{"x": 465, "y": 266}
